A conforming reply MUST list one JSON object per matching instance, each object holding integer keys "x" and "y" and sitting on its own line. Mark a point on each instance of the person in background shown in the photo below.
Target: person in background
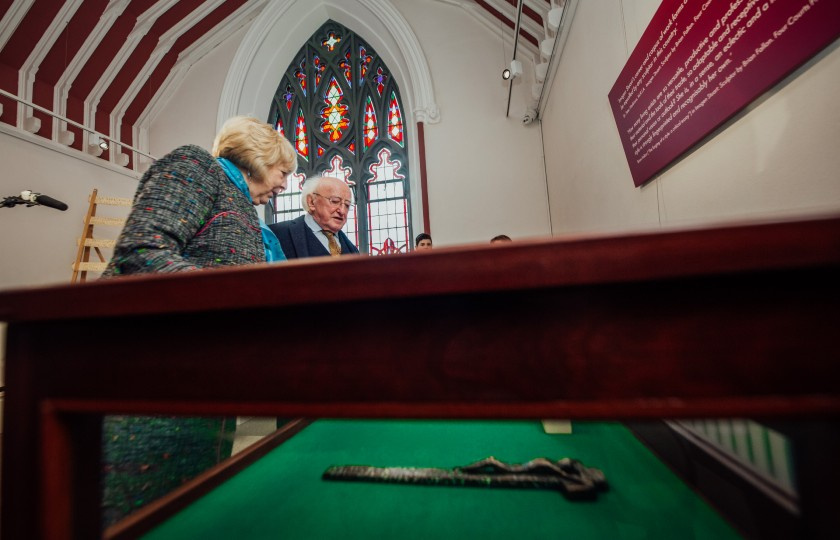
{"x": 327, "y": 202}
{"x": 423, "y": 242}
{"x": 195, "y": 210}
{"x": 500, "y": 238}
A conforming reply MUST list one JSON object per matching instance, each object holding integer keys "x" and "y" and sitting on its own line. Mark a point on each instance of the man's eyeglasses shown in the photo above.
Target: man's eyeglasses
{"x": 336, "y": 201}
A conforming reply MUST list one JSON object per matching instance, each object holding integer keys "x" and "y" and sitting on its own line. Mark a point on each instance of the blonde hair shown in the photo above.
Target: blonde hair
{"x": 254, "y": 146}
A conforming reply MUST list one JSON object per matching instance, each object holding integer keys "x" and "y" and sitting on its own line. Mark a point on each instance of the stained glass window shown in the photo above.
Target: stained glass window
{"x": 335, "y": 113}
{"x": 287, "y": 207}
{"x": 300, "y": 75}
{"x": 346, "y": 66}
{"x": 338, "y": 170}
{"x": 387, "y": 205}
{"x": 395, "y": 124}
{"x": 364, "y": 61}
{"x": 370, "y": 129}
{"x": 331, "y": 41}
{"x": 319, "y": 70}
{"x": 350, "y": 115}
{"x": 380, "y": 79}
{"x": 301, "y": 141}
{"x": 289, "y": 97}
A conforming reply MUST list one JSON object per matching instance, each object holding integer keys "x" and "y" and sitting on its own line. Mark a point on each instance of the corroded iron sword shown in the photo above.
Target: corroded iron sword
{"x": 570, "y": 476}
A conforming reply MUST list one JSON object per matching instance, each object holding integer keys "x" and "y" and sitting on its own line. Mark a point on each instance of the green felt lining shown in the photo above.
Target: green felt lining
{"x": 283, "y": 496}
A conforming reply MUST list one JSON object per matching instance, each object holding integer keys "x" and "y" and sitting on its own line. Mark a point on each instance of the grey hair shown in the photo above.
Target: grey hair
{"x": 310, "y": 185}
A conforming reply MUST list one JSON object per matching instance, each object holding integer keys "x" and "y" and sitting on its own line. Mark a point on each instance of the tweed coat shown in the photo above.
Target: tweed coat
{"x": 187, "y": 215}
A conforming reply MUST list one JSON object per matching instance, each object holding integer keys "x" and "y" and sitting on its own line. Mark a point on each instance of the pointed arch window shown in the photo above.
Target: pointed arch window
{"x": 341, "y": 109}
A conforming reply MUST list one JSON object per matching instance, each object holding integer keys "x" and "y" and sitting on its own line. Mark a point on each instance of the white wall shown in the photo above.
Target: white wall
{"x": 780, "y": 159}
{"x": 485, "y": 171}
{"x": 189, "y": 115}
{"x": 38, "y": 244}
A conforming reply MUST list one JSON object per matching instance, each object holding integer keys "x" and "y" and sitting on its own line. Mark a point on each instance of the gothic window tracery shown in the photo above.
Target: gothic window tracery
{"x": 342, "y": 112}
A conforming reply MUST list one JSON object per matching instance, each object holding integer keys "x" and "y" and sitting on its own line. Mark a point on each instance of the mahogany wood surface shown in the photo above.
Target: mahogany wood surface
{"x": 485, "y": 268}
{"x": 732, "y": 321}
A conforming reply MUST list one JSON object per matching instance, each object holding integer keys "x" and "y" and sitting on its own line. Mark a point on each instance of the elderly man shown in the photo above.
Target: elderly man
{"x": 317, "y": 233}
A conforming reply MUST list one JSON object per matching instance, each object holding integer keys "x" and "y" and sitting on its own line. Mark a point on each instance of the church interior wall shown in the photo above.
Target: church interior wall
{"x": 38, "y": 244}
{"x": 189, "y": 115}
{"x": 485, "y": 169}
{"x": 487, "y": 173}
{"x": 776, "y": 160}
{"x": 474, "y": 193}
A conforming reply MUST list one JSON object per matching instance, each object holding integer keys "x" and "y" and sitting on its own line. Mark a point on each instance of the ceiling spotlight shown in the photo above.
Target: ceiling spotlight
{"x": 515, "y": 70}
{"x": 97, "y": 144}
{"x": 555, "y": 15}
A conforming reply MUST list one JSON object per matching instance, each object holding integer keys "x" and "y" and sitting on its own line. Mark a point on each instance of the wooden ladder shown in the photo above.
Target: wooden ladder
{"x": 82, "y": 265}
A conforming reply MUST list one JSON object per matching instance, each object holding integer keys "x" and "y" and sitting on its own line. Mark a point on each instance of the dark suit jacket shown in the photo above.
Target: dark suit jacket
{"x": 298, "y": 241}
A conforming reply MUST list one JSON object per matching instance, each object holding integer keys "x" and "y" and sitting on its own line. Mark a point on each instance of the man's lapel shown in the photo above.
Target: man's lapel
{"x": 299, "y": 231}
{"x": 346, "y": 245}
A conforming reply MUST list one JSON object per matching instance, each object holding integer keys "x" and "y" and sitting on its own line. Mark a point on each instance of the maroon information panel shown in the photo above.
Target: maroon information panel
{"x": 701, "y": 61}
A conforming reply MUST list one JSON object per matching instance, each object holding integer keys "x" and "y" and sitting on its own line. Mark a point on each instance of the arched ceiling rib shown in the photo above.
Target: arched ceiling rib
{"x": 106, "y": 63}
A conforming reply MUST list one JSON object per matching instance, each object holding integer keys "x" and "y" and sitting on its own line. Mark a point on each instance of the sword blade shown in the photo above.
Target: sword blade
{"x": 573, "y": 488}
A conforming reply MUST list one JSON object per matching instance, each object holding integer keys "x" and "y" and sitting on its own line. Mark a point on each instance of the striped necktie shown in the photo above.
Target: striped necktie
{"x": 335, "y": 249}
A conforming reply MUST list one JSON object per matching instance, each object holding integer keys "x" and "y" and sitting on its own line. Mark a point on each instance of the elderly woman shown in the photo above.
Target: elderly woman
{"x": 195, "y": 210}
{"x": 192, "y": 210}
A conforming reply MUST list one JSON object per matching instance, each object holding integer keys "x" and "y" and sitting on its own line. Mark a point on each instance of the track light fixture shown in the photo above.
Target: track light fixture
{"x": 515, "y": 70}
{"x": 97, "y": 144}
{"x": 99, "y": 141}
